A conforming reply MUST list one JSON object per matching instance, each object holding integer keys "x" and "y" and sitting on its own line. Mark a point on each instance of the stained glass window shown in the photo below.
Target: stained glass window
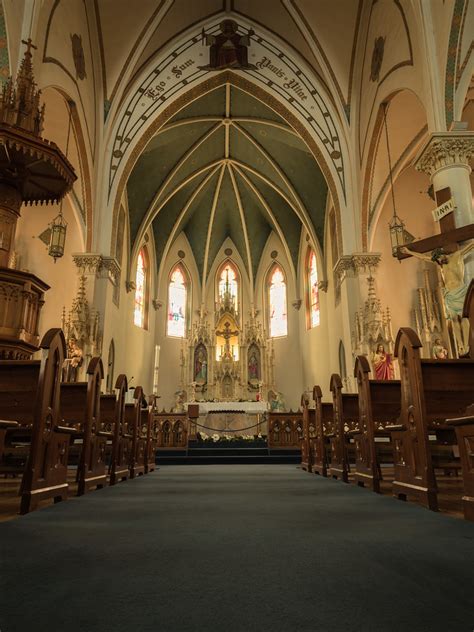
{"x": 177, "y": 304}
{"x": 140, "y": 290}
{"x": 278, "y": 311}
{"x": 313, "y": 289}
{"x": 228, "y": 283}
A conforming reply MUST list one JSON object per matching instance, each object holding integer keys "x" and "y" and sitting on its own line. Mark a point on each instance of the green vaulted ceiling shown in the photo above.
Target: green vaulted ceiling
{"x": 226, "y": 166}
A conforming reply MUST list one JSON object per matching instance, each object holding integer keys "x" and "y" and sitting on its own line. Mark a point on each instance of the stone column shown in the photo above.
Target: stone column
{"x": 445, "y": 158}
{"x": 10, "y": 203}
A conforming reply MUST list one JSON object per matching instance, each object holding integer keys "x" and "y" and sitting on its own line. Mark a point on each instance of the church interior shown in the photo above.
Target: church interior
{"x": 236, "y": 315}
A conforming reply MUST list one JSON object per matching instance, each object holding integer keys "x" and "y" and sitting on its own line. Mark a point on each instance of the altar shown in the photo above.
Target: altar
{"x": 237, "y": 418}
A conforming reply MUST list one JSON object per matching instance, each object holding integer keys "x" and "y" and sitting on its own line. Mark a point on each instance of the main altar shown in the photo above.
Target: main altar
{"x": 227, "y": 365}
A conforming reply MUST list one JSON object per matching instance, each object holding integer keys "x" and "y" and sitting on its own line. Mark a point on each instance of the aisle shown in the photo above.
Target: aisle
{"x": 236, "y": 548}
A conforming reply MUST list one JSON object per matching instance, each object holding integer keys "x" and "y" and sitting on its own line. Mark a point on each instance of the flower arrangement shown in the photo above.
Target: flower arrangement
{"x": 230, "y": 438}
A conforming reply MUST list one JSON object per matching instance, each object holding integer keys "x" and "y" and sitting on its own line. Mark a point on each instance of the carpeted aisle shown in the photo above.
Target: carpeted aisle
{"x": 236, "y": 548}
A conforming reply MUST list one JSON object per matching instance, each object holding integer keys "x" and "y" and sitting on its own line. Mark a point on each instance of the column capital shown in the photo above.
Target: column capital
{"x": 445, "y": 149}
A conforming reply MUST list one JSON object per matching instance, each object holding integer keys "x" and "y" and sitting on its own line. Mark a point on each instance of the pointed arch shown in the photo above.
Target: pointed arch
{"x": 178, "y": 301}
{"x": 142, "y": 289}
{"x": 277, "y": 302}
{"x": 312, "y": 290}
{"x": 228, "y": 278}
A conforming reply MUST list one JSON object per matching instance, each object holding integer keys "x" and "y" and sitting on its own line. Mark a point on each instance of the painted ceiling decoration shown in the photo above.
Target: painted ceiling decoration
{"x": 226, "y": 166}
{"x": 175, "y": 72}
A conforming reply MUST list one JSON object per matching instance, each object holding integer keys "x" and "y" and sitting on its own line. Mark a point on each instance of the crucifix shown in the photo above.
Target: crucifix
{"x": 447, "y": 252}
{"x": 227, "y": 334}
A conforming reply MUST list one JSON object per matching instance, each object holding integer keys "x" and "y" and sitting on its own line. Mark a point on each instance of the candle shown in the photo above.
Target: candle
{"x": 156, "y": 369}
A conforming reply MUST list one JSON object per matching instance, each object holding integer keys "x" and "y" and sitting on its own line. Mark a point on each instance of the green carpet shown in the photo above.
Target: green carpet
{"x": 238, "y": 548}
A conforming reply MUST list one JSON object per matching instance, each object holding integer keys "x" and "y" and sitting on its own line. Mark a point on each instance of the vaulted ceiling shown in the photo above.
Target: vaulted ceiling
{"x": 227, "y": 166}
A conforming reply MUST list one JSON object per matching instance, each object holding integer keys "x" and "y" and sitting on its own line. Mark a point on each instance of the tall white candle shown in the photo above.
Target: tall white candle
{"x": 156, "y": 369}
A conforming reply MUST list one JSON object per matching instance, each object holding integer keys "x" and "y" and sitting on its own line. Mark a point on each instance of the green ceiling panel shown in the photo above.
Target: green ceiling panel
{"x": 210, "y": 104}
{"x": 205, "y": 154}
{"x": 154, "y": 165}
{"x": 245, "y": 105}
{"x": 242, "y": 150}
{"x": 284, "y": 215}
{"x": 303, "y": 172}
{"x": 283, "y": 152}
{"x": 168, "y": 216}
{"x": 196, "y": 222}
{"x": 257, "y": 220}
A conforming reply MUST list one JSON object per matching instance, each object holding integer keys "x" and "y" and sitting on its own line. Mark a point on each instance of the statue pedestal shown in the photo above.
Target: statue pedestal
{"x": 21, "y": 300}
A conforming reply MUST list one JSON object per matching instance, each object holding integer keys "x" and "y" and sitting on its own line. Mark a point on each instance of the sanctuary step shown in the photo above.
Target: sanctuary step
{"x": 226, "y": 455}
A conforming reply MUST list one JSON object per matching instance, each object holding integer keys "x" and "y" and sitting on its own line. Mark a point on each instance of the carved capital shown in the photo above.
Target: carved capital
{"x": 342, "y": 267}
{"x": 156, "y": 304}
{"x": 297, "y": 304}
{"x": 365, "y": 261}
{"x": 444, "y": 150}
{"x": 130, "y": 286}
{"x": 323, "y": 286}
{"x": 111, "y": 268}
{"x": 88, "y": 262}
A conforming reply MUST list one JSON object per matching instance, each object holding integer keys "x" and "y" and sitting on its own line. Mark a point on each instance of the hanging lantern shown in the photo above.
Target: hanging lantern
{"x": 58, "y": 236}
{"x": 399, "y": 237}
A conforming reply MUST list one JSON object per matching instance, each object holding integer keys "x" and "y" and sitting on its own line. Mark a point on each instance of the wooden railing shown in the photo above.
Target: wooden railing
{"x": 285, "y": 430}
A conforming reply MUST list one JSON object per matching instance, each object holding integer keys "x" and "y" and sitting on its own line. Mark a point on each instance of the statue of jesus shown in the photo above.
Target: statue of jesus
{"x": 454, "y": 286}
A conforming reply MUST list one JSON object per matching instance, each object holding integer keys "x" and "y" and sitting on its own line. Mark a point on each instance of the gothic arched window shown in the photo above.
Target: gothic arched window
{"x": 278, "y": 316}
{"x": 313, "y": 290}
{"x": 228, "y": 282}
{"x": 141, "y": 289}
{"x": 177, "y": 297}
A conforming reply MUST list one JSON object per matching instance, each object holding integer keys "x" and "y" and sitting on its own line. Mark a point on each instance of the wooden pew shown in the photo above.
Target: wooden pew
{"x": 4, "y": 427}
{"x": 346, "y": 418}
{"x": 431, "y": 392}
{"x": 29, "y": 396}
{"x": 138, "y": 430}
{"x": 379, "y": 405}
{"x": 468, "y": 312}
{"x": 308, "y": 424}
{"x": 80, "y": 409}
{"x": 324, "y": 418}
{"x": 113, "y": 411}
{"x": 152, "y": 438}
{"x": 464, "y": 427}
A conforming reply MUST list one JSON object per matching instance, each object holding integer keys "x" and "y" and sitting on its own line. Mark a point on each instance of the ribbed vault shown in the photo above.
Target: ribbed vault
{"x": 226, "y": 165}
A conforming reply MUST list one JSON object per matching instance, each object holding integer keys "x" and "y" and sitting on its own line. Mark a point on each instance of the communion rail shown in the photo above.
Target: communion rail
{"x": 285, "y": 430}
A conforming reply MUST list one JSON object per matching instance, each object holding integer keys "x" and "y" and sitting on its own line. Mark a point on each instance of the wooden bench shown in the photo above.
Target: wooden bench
{"x": 324, "y": 418}
{"x": 29, "y": 396}
{"x": 308, "y": 422}
{"x": 152, "y": 439}
{"x": 137, "y": 428}
{"x": 80, "y": 410}
{"x": 464, "y": 427}
{"x": 379, "y": 405}
{"x": 346, "y": 419}
{"x": 431, "y": 392}
{"x": 112, "y": 410}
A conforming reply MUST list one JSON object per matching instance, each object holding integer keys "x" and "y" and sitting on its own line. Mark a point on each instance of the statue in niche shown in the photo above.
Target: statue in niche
{"x": 383, "y": 364}
{"x": 276, "y": 401}
{"x": 200, "y": 364}
{"x": 439, "y": 350}
{"x": 253, "y": 366}
{"x": 73, "y": 362}
{"x": 454, "y": 287}
{"x": 228, "y": 49}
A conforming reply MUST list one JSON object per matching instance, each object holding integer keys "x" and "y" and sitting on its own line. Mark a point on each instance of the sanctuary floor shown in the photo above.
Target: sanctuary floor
{"x": 236, "y": 548}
